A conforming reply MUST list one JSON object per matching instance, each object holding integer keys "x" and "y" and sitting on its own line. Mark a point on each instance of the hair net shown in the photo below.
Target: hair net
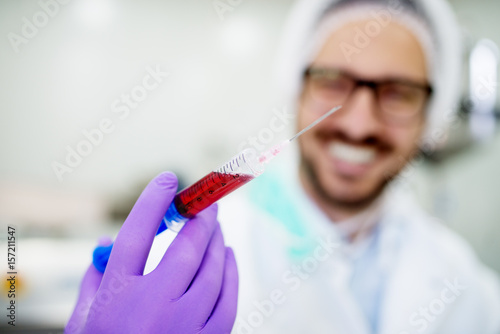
{"x": 445, "y": 56}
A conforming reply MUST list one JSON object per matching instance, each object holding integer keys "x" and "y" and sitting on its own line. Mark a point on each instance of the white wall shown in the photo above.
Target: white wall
{"x": 65, "y": 79}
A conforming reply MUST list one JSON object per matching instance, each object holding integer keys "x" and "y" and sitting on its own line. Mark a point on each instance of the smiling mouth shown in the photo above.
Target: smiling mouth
{"x": 351, "y": 154}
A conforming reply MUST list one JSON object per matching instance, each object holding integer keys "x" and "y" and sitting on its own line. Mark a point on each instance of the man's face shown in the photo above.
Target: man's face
{"x": 347, "y": 159}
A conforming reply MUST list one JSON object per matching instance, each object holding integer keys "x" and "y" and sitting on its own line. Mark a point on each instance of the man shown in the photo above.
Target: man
{"x": 330, "y": 248}
{"x": 323, "y": 245}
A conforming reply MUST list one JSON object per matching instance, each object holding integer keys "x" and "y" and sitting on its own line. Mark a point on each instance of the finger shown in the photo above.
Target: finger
{"x": 90, "y": 284}
{"x": 134, "y": 240}
{"x": 92, "y": 278}
{"x": 104, "y": 241}
{"x": 205, "y": 287}
{"x": 183, "y": 258}
{"x": 224, "y": 313}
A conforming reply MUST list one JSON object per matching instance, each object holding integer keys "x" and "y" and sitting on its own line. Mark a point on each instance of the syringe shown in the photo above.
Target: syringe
{"x": 239, "y": 170}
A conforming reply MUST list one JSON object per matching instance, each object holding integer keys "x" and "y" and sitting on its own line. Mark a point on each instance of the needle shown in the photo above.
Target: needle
{"x": 315, "y": 122}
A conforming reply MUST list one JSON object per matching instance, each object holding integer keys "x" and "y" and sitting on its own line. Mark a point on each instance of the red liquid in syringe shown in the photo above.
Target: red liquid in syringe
{"x": 208, "y": 190}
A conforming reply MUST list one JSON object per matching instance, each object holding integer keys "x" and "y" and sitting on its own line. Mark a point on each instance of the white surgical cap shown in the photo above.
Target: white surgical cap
{"x": 432, "y": 22}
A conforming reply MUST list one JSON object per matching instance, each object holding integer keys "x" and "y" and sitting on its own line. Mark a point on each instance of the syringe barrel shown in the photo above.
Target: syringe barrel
{"x": 245, "y": 162}
{"x": 236, "y": 172}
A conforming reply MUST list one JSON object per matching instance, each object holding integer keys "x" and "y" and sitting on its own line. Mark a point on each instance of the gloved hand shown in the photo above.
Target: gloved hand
{"x": 193, "y": 290}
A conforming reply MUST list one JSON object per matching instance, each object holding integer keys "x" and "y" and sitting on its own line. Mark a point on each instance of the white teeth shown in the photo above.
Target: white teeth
{"x": 351, "y": 154}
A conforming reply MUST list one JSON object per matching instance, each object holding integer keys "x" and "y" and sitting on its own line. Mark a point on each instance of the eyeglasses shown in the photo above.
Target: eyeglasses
{"x": 399, "y": 101}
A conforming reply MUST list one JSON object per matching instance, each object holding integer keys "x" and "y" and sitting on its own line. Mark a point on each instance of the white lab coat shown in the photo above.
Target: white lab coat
{"x": 433, "y": 283}
{"x": 292, "y": 280}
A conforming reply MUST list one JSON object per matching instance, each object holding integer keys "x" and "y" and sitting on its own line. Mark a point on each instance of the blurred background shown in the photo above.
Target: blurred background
{"x": 99, "y": 96}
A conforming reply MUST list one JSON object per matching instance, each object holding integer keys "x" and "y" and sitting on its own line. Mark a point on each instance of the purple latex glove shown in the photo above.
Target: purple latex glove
{"x": 193, "y": 290}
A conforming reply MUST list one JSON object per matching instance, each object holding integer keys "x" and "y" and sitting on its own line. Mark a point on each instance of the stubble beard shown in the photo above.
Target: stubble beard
{"x": 356, "y": 204}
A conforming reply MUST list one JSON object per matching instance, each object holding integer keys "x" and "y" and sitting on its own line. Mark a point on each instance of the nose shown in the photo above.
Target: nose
{"x": 358, "y": 117}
